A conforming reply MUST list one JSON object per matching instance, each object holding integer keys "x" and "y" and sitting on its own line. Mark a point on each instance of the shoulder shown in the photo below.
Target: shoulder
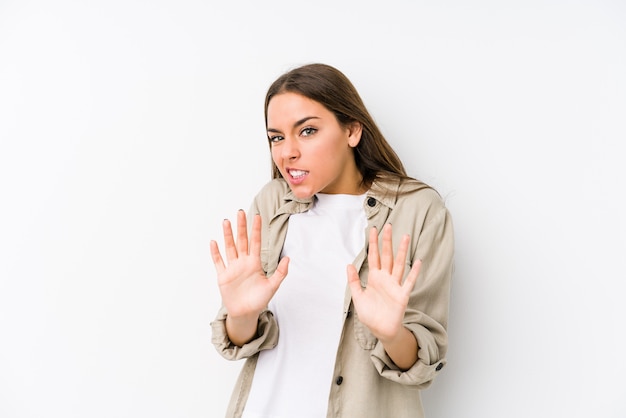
{"x": 407, "y": 192}
{"x": 271, "y": 197}
{"x": 420, "y": 211}
{"x": 277, "y": 189}
{"x": 415, "y": 192}
{"x": 412, "y": 203}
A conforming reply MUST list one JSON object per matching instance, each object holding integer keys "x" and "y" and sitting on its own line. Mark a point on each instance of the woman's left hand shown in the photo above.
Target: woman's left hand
{"x": 382, "y": 303}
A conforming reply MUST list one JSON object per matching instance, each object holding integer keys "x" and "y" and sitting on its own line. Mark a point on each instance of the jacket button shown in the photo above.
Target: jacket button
{"x": 371, "y": 202}
{"x": 339, "y": 380}
{"x": 439, "y": 367}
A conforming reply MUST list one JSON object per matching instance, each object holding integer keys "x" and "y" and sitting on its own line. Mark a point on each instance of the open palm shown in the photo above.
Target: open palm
{"x": 244, "y": 287}
{"x": 381, "y": 305}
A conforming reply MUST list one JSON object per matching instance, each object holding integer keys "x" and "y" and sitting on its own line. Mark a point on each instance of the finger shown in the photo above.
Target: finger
{"x": 217, "y": 257}
{"x": 386, "y": 258}
{"x": 242, "y": 233}
{"x": 255, "y": 237}
{"x": 398, "y": 265}
{"x": 281, "y": 272}
{"x": 372, "y": 253}
{"x": 354, "y": 281}
{"x": 411, "y": 278}
{"x": 229, "y": 241}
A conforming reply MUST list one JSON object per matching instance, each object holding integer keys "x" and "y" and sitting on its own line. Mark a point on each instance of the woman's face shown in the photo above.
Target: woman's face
{"x": 312, "y": 151}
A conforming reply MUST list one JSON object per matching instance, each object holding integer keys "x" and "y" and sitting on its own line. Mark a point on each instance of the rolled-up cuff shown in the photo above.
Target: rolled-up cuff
{"x": 424, "y": 370}
{"x": 267, "y": 337}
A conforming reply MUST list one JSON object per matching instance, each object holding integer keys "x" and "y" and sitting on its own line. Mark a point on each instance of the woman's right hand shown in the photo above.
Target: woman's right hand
{"x": 244, "y": 287}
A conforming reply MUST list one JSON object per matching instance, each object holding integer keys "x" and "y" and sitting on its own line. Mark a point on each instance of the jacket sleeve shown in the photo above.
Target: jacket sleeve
{"x": 267, "y": 327}
{"x": 426, "y": 315}
{"x": 266, "y": 338}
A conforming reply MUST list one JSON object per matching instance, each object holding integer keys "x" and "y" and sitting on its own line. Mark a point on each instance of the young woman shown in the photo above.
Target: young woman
{"x": 338, "y": 295}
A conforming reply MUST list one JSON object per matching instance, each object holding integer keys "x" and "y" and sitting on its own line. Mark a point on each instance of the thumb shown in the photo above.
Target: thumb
{"x": 281, "y": 272}
{"x": 354, "y": 281}
{"x": 411, "y": 278}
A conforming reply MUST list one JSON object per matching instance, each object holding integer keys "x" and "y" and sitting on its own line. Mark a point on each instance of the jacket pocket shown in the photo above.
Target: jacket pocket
{"x": 363, "y": 335}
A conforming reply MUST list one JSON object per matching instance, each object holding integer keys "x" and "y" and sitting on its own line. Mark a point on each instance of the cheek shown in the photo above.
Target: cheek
{"x": 274, "y": 155}
{"x": 333, "y": 153}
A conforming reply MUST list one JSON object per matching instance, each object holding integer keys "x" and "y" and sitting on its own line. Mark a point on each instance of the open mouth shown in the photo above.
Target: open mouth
{"x": 297, "y": 174}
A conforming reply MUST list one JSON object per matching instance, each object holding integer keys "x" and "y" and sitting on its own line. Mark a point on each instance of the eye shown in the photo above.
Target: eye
{"x": 308, "y": 131}
{"x": 274, "y": 139}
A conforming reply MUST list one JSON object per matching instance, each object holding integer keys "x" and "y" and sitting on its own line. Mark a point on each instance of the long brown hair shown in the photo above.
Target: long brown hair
{"x": 328, "y": 86}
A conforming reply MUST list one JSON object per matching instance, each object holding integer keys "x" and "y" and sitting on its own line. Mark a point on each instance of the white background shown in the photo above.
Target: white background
{"x": 130, "y": 129}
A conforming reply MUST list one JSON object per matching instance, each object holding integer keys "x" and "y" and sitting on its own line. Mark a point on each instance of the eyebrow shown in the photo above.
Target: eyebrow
{"x": 298, "y": 123}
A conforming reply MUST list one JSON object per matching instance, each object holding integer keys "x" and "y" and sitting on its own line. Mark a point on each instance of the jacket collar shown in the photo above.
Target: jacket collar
{"x": 383, "y": 190}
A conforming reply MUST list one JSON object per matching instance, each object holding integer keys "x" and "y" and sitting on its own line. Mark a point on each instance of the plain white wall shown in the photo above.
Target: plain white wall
{"x": 130, "y": 129}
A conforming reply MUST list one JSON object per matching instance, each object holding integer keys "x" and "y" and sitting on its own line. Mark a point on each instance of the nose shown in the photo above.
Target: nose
{"x": 290, "y": 150}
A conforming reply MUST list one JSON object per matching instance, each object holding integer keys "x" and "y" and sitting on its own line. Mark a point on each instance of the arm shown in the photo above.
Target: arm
{"x": 382, "y": 304}
{"x": 402, "y": 349}
{"x": 243, "y": 285}
{"x": 426, "y": 313}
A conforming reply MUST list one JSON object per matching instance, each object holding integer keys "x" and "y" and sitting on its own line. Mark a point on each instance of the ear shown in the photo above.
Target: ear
{"x": 355, "y": 129}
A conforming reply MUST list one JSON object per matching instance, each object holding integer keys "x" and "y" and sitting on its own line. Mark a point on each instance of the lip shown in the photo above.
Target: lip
{"x": 296, "y": 180}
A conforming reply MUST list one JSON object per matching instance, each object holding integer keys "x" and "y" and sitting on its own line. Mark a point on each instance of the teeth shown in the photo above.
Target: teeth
{"x": 297, "y": 173}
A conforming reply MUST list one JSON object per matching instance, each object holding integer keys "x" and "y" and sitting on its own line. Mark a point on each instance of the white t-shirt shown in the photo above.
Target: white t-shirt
{"x": 294, "y": 378}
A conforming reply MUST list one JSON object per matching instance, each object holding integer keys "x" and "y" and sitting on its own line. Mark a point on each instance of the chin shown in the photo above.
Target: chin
{"x": 301, "y": 193}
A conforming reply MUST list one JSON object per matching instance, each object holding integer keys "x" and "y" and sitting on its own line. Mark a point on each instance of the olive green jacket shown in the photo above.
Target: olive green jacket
{"x": 366, "y": 382}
